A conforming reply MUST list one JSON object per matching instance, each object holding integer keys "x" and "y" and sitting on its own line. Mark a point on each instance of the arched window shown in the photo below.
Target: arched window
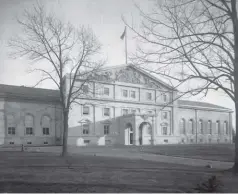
{"x": 46, "y": 125}
{"x": 209, "y": 126}
{"x": 225, "y": 127}
{"x": 182, "y": 126}
{"x": 11, "y": 127}
{"x": 191, "y": 126}
{"x": 201, "y": 126}
{"x": 29, "y": 124}
{"x": 218, "y": 128}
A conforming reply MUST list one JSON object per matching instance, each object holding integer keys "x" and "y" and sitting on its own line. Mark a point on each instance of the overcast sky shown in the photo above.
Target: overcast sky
{"x": 103, "y": 16}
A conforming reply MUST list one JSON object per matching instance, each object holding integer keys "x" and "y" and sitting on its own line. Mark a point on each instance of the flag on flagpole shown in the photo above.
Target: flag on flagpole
{"x": 123, "y": 34}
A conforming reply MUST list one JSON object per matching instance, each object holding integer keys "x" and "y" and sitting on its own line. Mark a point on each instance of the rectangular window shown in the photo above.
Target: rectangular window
{"x": 29, "y": 142}
{"x": 164, "y": 97}
{"x": 165, "y": 131}
{"x": 85, "y": 89}
{"x": 85, "y": 129}
{"x": 11, "y": 130}
{"x": 149, "y": 96}
{"x": 46, "y": 131}
{"x": 86, "y": 141}
{"x": 124, "y": 111}
{"x": 125, "y": 93}
{"x": 29, "y": 131}
{"x": 164, "y": 115}
{"x": 85, "y": 110}
{"x": 133, "y": 94}
{"x": 45, "y": 142}
{"x": 133, "y": 111}
{"x": 138, "y": 110}
{"x": 106, "y": 112}
{"x": 106, "y": 129}
{"x": 106, "y": 91}
{"x": 150, "y": 112}
{"x": 11, "y": 142}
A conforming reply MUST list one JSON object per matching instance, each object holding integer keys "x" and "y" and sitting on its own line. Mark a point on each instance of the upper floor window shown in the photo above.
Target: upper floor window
{"x": 106, "y": 129}
{"x": 133, "y": 94}
{"x": 29, "y": 123}
{"x": 149, "y": 96}
{"x": 183, "y": 126}
{"x": 124, "y": 111}
{"x": 125, "y": 93}
{"x": 106, "y": 112}
{"x": 85, "y": 110}
{"x": 85, "y": 128}
{"x": 209, "y": 126}
{"x": 85, "y": 89}
{"x": 191, "y": 126}
{"x": 164, "y": 115}
{"x": 106, "y": 91}
{"x": 218, "y": 127}
{"x": 201, "y": 126}
{"x": 164, "y": 97}
{"x": 226, "y": 127}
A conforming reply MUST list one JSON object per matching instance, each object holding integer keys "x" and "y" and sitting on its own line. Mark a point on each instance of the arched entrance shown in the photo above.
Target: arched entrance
{"x": 144, "y": 128}
{"x": 130, "y": 133}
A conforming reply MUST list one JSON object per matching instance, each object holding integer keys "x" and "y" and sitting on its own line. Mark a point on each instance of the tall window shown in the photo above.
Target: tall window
{"x": 29, "y": 123}
{"x": 225, "y": 127}
{"x": 164, "y": 97}
{"x": 125, "y": 93}
{"x": 106, "y": 112}
{"x": 191, "y": 126}
{"x": 209, "y": 127}
{"x": 133, "y": 111}
{"x": 106, "y": 91}
{"x": 182, "y": 126}
{"x": 149, "y": 96}
{"x": 85, "y": 128}
{"x": 11, "y": 129}
{"x": 164, "y": 115}
{"x": 85, "y": 110}
{"x": 85, "y": 89}
{"x": 106, "y": 129}
{"x": 165, "y": 130}
{"x": 201, "y": 126}
{"x": 124, "y": 111}
{"x": 133, "y": 94}
{"x": 218, "y": 128}
{"x": 46, "y": 125}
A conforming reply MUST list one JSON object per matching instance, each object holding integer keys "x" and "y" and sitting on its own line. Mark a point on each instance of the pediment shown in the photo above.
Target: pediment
{"x": 130, "y": 74}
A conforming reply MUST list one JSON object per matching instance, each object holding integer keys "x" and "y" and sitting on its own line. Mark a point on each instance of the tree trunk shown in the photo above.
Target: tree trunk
{"x": 65, "y": 133}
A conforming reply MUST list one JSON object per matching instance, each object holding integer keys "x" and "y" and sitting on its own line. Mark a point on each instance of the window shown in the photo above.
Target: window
{"x": 133, "y": 111}
{"x": 165, "y": 130}
{"x": 45, "y": 142}
{"x": 166, "y": 141}
{"x": 201, "y": 126}
{"x": 85, "y": 110}
{"x": 29, "y": 142}
{"x": 11, "y": 130}
{"x": 191, "y": 126}
{"x": 85, "y": 89}
{"x": 226, "y": 127}
{"x": 106, "y": 129}
{"x": 29, "y": 122}
{"x": 138, "y": 110}
{"x": 106, "y": 91}
{"x": 46, "y": 131}
{"x": 124, "y": 111}
{"x": 133, "y": 94}
{"x": 164, "y": 97}
{"x": 191, "y": 140}
{"x": 29, "y": 131}
{"x": 182, "y": 126}
{"x": 11, "y": 142}
{"x": 149, "y": 96}
{"x": 150, "y": 112}
{"x": 106, "y": 111}
{"x": 86, "y": 141}
{"x": 218, "y": 127}
{"x": 209, "y": 127}
{"x": 164, "y": 115}
{"x": 85, "y": 129}
{"x": 125, "y": 93}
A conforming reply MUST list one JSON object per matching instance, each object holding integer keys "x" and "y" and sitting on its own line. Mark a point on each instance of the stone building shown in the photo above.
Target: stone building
{"x": 126, "y": 105}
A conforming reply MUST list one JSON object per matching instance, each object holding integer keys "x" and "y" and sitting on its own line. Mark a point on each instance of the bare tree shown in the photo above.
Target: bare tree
{"x": 192, "y": 43}
{"x": 70, "y": 54}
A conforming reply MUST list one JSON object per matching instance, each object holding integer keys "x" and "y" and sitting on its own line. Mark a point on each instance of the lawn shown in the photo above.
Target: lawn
{"x": 45, "y": 172}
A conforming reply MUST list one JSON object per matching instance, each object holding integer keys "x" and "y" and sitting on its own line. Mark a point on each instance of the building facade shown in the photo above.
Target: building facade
{"x": 125, "y": 105}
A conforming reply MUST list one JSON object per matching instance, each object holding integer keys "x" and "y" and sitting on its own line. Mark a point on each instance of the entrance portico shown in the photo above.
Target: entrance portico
{"x": 139, "y": 129}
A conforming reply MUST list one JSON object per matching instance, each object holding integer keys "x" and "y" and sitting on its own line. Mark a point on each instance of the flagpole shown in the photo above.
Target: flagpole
{"x": 126, "y": 44}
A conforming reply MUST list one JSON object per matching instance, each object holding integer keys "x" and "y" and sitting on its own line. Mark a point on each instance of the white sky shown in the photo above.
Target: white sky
{"x": 103, "y": 16}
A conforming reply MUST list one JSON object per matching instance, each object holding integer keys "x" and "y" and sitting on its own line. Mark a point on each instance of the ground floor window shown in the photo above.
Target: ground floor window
{"x": 29, "y": 131}
{"x": 46, "y": 131}
{"x": 11, "y": 130}
{"x": 165, "y": 130}
{"x": 85, "y": 129}
{"x": 106, "y": 129}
